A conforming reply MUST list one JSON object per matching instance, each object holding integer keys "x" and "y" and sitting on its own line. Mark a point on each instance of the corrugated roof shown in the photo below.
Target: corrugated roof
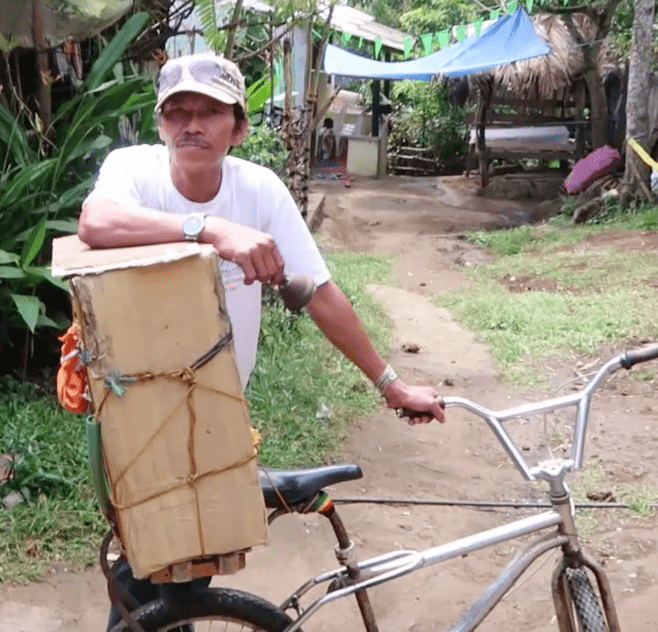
{"x": 360, "y": 24}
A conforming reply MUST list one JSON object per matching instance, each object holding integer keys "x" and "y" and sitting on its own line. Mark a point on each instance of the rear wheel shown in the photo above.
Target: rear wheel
{"x": 209, "y": 610}
{"x": 585, "y": 601}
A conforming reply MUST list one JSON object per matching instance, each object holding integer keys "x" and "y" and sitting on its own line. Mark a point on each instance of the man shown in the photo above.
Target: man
{"x": 189, "y": 188}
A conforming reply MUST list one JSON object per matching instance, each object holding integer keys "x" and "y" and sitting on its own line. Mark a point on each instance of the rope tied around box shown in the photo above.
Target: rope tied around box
{"x": 115, "y": 382}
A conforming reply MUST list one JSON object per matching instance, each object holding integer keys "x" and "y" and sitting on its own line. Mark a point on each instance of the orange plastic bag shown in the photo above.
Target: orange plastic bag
{"x": 71, "y": 380}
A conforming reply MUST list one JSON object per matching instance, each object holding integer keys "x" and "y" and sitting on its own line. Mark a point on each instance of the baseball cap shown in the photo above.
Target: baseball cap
{"x": 203, "y": 73}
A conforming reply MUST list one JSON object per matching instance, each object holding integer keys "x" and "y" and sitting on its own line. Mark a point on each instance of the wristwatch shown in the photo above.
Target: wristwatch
{"x": 193, "y": 225}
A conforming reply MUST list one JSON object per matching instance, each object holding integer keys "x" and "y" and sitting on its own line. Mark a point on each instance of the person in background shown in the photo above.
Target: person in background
{"x": 327, "y": 141}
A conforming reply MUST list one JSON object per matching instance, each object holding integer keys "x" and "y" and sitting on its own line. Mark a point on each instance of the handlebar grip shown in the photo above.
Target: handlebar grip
{"x": 407, "y": 412}
{"x": 645, "y": 354}
{"x": 296, "y": 291}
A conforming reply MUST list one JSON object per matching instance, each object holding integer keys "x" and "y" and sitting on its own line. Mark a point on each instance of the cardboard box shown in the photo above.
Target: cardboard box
{"x": 177, "y": 442}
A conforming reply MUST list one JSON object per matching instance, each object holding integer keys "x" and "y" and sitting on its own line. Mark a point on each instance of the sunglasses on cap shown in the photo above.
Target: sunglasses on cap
{"x": 205, "y": 71}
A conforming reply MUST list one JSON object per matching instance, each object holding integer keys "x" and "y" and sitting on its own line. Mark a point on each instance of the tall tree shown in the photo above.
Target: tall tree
{"x": 637, "y": 106}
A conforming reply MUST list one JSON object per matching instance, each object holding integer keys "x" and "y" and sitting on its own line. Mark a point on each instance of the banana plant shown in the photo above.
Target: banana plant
{"x": 40, "y": 197}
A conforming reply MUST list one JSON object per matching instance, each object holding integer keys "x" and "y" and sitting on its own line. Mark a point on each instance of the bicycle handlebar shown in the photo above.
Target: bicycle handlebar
{"x": 581, "y": 399}
{"x": 636, "y": 356}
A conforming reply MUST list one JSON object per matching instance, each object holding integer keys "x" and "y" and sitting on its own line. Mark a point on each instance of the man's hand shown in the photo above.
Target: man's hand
{"x": 255, "y": 252}
{"x": 420, "y": 398}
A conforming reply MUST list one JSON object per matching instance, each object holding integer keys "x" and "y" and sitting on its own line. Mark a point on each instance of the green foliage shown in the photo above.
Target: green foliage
{"x": 40, "y": 195}
{"x": 206, "y": 11}
{"x": 264, "y": 146}
{"x": 58, "y": 517}
{"x": 423, "y": 116}
{"x": 418, "y": 17}
{"x": 434, "y": 16}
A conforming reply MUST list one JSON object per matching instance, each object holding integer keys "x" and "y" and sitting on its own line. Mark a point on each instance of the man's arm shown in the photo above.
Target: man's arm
{"x": 107, "y": 224}
{"x": 333, "y": 314}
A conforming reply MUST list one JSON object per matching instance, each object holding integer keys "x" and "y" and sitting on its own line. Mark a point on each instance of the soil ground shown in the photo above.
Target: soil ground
{"x": 419, "y": 221}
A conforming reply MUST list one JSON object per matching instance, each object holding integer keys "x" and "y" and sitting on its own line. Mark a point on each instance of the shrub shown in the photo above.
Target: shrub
{"x": 423, "y": 116}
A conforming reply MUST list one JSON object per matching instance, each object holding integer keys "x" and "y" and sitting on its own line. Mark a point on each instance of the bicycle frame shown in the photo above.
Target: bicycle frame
{"x": 355, "y": 577}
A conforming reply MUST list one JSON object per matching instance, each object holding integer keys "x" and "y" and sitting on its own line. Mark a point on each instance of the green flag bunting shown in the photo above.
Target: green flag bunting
{"x": 512, "y": 6}
{"x": 478, "y": 25}
{"x": 345, "y": 37}
{"x": 427, "y": 42}
{"x": 378, "y": 46}
{"x": 494, "y": 15}
{"x": 444, "y": 38}
{"x": 529, "y": 5}
{"x": 461, "y": 32}
{"x": 408, "y": 43}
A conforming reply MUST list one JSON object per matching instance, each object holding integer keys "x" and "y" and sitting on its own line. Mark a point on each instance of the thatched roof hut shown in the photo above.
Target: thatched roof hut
{"x": 560, "y": 70}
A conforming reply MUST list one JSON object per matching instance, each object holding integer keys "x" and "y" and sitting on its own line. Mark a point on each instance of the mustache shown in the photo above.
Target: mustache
{"x": 192, "y": 140}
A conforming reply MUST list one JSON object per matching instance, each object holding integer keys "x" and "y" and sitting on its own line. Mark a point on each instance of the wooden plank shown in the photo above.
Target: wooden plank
{"x": 419, "y": 159}
{"x": 542, "y": 104}
{"x": 418, "y": 150}
{"x": 525, "y": 120}
{"x": 414, "y": 171}
{"x": 523, "y": 154}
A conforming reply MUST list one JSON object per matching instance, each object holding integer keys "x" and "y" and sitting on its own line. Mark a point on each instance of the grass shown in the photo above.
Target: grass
{"x": 285, "y": 404}
{"x": 560, "y": 231}
{"x": 594, "y": 296}
{"x": 297, "y": 372}
{"x": 572, "y": 298}
{"x": 58, "y": 518}
{"x": 640, "y": 498}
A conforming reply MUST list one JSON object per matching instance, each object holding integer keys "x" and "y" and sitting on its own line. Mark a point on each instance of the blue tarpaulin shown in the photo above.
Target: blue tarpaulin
{"x": 509, "y": 39}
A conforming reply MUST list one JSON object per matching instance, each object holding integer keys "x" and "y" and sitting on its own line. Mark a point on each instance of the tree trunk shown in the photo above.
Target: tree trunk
{"x": 602, "y": 17}
{"x": 637, "y": 106}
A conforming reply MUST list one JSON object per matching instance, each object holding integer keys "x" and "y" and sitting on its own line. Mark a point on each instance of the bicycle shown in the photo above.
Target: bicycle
{"x": 578, "y": 606}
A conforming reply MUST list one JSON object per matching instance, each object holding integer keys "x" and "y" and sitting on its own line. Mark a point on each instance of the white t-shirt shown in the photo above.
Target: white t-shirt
{"x": 250, "y": 195}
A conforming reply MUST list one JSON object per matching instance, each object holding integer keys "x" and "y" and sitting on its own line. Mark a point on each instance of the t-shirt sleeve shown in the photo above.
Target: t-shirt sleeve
{"x": 117, "y": 180}
{"x": 297, "y": 246}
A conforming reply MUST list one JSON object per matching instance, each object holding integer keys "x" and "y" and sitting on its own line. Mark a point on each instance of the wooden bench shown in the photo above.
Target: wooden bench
{"x": 521, "y": 129}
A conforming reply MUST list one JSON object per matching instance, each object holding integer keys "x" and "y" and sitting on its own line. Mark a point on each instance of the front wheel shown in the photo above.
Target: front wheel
{"x": 207, "y": 610}
{"x": 585, "y": 601}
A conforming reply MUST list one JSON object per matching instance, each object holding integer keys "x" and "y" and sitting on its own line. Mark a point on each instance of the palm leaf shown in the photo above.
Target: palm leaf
{"x": 13, "y": 139}
{"x": 115, "y": 49}
{"x": 207, "y": 14}
{"x": 33, "y": 243}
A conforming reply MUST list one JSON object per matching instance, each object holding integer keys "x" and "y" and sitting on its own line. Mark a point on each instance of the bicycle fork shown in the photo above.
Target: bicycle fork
{"x": 572, "y": 553}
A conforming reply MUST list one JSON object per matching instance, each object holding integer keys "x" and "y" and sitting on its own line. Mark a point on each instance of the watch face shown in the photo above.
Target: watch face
{"x": 193, "y": 225}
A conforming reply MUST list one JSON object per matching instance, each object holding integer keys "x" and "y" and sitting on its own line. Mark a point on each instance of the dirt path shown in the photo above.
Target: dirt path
{"x": 416, "y": 220}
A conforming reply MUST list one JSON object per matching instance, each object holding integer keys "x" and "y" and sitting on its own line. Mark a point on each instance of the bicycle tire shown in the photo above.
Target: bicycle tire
{"x": 585, "y": 601}
{"x": 210, "y": 605}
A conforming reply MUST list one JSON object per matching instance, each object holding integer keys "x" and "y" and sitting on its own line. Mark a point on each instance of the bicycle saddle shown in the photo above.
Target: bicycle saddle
{"x": 299, "y": 485}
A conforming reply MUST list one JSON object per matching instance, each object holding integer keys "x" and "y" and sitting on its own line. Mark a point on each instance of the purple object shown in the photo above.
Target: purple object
{"x": 599, "y": 163}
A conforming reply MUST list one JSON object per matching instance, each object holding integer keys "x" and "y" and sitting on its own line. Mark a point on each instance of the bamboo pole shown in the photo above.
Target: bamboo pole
{"x": 230, "y": 36}
{"x": 43, "y": 71}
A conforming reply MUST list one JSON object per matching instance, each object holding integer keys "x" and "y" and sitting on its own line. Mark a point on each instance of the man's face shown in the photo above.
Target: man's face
{"x": 198, "y": 130}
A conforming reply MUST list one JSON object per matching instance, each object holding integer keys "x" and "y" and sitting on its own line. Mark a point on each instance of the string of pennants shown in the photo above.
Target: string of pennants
{"x": 432, "y": 41}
